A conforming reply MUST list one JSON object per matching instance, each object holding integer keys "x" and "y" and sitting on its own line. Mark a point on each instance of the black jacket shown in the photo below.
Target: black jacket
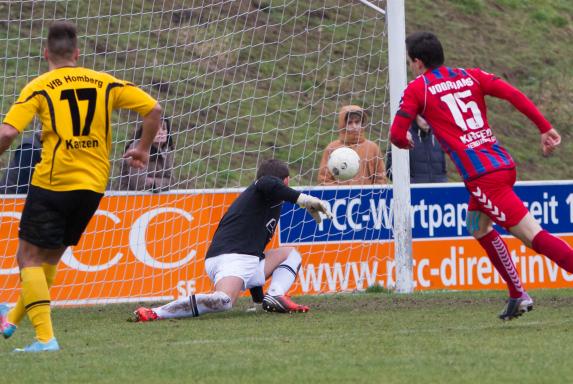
{"x": 21, "y": 167}
{"x": 427, "y": 159}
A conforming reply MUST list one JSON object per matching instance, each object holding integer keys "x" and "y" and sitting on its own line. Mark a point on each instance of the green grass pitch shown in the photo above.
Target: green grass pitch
{"x": 345, "y": 338}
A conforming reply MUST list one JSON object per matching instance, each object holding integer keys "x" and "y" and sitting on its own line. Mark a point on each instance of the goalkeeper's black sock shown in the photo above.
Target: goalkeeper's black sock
{"x": 257, "y": 294}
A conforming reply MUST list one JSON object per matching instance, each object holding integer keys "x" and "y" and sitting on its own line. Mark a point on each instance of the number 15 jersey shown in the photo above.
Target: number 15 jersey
{"x": 452, "y": 100}
{"x": 75, "y": 105}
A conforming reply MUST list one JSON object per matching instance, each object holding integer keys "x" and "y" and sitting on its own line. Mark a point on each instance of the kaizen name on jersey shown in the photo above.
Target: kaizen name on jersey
{"x": 477, "y": 138}
{"x": 77, "y": 144}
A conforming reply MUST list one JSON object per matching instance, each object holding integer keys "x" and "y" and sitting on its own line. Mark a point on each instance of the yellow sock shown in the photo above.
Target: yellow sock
{"x": 50, "y": 272}
{"x": 36, "y": 300}
{"x": 17, "y": 313}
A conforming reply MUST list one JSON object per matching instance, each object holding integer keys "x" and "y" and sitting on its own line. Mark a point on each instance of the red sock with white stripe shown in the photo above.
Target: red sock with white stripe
{"x": 501, "y": 259}
{"x": 554, "y": 248}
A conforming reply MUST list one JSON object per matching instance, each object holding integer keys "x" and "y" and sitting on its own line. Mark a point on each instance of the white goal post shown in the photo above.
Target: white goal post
{"x": 402, "y": 224}
{"x": 240, "y": 81}
{"x": 396, "y": 20}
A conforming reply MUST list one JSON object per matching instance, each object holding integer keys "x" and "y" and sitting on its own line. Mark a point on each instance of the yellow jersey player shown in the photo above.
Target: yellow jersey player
{"x": 74, "y": 105}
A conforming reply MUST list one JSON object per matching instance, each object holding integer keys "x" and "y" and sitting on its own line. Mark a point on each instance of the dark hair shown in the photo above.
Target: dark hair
{"x": 273, "y": 167}
{"x": 62, "y": 39}
{"x": 362, "y": 114}
{"x": 426, "y": 47}
{"x": 154, "y": 149}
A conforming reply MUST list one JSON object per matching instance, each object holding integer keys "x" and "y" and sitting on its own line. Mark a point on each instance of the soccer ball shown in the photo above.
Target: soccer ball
{"x": 343, "y": 163}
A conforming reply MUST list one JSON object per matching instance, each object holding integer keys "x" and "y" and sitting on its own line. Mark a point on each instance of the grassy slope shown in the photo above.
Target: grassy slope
{"x": 363, "y": 338}
{"x": 226, "y": 89}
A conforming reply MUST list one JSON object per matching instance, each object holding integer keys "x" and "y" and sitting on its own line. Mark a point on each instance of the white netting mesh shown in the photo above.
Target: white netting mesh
{"x": 241, "y": 81}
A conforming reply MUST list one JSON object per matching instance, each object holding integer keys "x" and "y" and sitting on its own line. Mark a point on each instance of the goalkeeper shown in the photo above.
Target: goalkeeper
{"x": 236, "y": 259}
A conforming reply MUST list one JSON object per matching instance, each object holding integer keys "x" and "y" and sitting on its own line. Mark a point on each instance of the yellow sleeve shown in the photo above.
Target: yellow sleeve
{"x": 24, "y": 109}
{"x": 134, "y": 98}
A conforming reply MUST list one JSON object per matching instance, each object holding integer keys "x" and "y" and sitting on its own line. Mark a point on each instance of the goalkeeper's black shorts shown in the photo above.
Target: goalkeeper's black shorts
{"x": 52, "y": 219}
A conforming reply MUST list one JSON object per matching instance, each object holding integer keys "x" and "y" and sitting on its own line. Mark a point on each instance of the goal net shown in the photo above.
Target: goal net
{"x": 240, "y": 81}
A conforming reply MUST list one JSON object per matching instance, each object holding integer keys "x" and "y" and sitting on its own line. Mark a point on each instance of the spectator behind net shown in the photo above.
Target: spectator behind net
{"x": 352, "y": 121}
{"x": 427, "y": 159}
{"x": 20, "y": 169}
{"x": 157, "y": 176}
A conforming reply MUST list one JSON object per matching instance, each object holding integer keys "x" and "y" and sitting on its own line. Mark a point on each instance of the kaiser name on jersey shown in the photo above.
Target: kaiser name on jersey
{"x": 449, "y": 85}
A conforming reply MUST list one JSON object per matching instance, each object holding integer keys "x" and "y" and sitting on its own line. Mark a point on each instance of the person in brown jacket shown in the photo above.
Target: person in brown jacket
{"x": 352, "y": 121}
{"x": 157, "y": 176}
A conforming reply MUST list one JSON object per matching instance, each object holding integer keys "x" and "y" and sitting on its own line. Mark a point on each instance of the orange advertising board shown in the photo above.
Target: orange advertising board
{"x": 437, "y": 265}
{"x": 151, "y": 247}
{"x": 135, "y": 247}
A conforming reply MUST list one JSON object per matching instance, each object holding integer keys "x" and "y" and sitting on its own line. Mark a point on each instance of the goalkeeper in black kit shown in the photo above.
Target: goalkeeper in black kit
{"x": 237, "y": 260}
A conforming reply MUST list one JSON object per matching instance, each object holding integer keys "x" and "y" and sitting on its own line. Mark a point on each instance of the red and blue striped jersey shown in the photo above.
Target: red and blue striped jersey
{"x": 452, "y": 100}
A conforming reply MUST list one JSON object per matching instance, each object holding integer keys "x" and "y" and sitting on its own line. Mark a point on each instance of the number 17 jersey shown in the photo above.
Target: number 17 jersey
{"x": 75, "y": 105}
{"x": 452, "y": 100}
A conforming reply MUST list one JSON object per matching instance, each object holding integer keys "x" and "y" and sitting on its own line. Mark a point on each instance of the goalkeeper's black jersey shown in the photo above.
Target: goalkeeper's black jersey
{"x": 249, "y": 224}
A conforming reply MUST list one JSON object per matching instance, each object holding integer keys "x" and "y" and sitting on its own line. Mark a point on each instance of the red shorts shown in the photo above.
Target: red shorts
{"x": 493, "y": 195}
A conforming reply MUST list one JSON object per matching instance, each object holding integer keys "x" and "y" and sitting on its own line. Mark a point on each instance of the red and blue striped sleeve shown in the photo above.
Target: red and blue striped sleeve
{"x": 495, "y": 86}
{"x": 407, "y": 112}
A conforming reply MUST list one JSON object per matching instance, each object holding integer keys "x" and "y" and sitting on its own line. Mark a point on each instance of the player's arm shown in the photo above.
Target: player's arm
{"x": 497, "y": 87}
{"x": 138, "y": 156}
{"x": 133, "y": 179}
{"x": 19, "y": 116}
{"x": 131, "y": 97}
{"x": 400, "y": 130}
{"x": 550, "y": 140}
{"x": 275, "y": 189}
{"x": 7, "y": 135}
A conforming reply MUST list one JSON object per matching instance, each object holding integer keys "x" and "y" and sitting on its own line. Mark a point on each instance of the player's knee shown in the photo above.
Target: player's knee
{"x": 285, "y": 252}
{"x": 478, "y": 232}
{"x": 472, "y": 222}
{"x": 294, "y": 258}
{"x": 220, "y": 301}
